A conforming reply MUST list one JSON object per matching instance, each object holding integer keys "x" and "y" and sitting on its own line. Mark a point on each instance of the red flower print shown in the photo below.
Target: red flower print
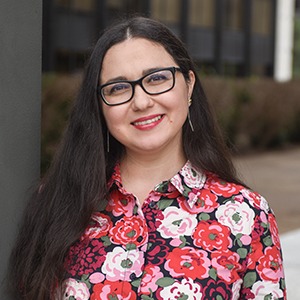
{"x": 150, "y": 275}
{"x": 120, "y": 204}
{"x": 98, "y": 227}
{"x": 129, "y": 230}
{"x": 212, "y": 235}
{"x": 255, "y": 254}
{"x": 270, "y": 265}
{"x": 188, "y": 262}
{"x": 158, "y": 250}
{"x": 85, "y": 257}
{"x": 217, "y": 289}
{"x": 274, "y": 231}
{"x": 227, "y": 265}
{"x": 153, "y": 217}
{"x": 221, "y": 187}
{"x": 110, "y": 290}
{"x": 247, "y": 294}
{"x": 258, "y": 230}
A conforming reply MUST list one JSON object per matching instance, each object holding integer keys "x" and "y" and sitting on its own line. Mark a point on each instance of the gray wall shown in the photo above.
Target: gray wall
{"x": 20, "y": 101}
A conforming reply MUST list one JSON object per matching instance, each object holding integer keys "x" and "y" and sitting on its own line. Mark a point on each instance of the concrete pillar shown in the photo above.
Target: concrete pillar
{"x": 284, "y": 40}
{"x": 20, "y": 101}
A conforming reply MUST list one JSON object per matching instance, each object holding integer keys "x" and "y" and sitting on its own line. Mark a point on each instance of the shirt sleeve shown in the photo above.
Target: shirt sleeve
{"x": 264, "y": 276}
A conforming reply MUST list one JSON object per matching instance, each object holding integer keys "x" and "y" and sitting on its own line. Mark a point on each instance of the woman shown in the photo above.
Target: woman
{"x": 142, "y": 200}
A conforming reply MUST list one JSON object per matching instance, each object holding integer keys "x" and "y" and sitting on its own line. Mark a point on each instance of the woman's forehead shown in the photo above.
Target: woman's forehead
{"x": 133, "y": 57}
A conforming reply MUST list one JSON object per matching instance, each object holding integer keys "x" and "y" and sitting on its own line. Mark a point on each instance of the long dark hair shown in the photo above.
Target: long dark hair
{"x": 75, "y": 184}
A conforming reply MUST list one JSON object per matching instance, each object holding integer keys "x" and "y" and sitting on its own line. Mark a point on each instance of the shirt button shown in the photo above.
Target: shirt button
{"x": 152, "y": 204}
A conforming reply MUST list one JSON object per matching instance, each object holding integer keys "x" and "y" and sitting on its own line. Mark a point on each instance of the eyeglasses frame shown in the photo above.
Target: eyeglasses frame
{"x": 139, "y": 82}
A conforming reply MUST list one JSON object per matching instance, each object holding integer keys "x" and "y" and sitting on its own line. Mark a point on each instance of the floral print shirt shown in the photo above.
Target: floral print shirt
{"x": 194, "y": 237}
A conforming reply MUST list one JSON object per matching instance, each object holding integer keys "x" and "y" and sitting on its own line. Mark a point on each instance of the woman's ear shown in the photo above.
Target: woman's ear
{"x": 191, "y": 83}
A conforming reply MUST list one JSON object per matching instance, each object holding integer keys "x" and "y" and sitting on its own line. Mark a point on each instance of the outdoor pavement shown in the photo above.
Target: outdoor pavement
{"x": 276, "y": 175}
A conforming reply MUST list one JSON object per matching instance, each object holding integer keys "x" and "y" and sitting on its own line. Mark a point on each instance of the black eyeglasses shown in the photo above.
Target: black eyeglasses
{"x": 122, "y": 91}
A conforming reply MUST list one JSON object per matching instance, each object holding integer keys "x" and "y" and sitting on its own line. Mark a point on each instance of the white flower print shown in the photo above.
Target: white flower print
{"x": 186, "y": 289}
{"x": 176, "y": 223}
{"x": 191, "y": 177}
{"x": 239, "y": 217}
{"x": 120, "y": 264}
{"x": 76, "y": 289}
{"x": 262, "y": 289}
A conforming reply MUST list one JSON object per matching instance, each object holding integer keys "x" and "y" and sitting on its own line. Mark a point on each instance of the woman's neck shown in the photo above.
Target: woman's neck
{"x": 141, "y": 173}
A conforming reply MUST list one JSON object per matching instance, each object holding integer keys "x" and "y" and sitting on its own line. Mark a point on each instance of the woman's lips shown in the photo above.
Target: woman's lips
{"x": 147, "y": 123}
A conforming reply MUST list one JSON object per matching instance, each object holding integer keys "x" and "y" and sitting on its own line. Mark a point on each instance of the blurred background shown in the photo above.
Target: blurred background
{"x": 234, "y": 43}
{"x": 248, "y": 57}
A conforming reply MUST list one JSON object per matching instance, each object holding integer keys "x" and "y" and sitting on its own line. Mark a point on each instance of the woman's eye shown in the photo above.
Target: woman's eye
{"x": 118, "y": 88}
{"x": 157, "y": 78}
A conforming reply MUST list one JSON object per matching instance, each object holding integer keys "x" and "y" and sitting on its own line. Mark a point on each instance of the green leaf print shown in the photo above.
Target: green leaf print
{"x": 130, "y": 247}
{"x": 145, "y": 297}
{"x": 249, "y": 279}
{"x": 136, "y": 283}
{"x": 268, "y": 297}
{"x": 165, "y": 281}
{"x": 203, "y": 217}
{"x": 213, "y": 273}
{"x": 131, "y": 233}
{"x": 106, "y": 241}
{"x": 268, "y": 241}
{"x": 183, "y": 240}
{"x": 242, "y": 252}
{"x": 183, "y": 297}
{"x": 126, "y": 263}
{"x": 164, "y": 203}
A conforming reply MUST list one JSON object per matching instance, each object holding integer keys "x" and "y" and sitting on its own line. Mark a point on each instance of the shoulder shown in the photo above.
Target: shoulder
{"x": 235, "y": 193}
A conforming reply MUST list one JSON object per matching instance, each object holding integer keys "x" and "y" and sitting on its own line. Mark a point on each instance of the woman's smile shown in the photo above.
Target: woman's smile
{"x": 147, "y": 123}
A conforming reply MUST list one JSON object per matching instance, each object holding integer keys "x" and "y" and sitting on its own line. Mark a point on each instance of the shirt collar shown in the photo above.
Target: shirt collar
{"x": 185, "y": 181}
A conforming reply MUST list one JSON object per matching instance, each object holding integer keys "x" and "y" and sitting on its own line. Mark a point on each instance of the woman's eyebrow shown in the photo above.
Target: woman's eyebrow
{"x": 120, "y": 78}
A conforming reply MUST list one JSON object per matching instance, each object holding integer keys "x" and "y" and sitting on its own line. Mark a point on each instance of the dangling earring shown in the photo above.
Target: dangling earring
{"x": 189, "y": 117}
{"x": 107, "y": 141}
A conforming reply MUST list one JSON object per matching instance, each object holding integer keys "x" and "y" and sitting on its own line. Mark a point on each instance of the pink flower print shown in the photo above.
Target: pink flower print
{"x": 239, "y": 217}
{"x": 274, "y": 231}
{"x": 186, "y": 289}
{"x": 262, "y": 289}
{"x": 227, "y": 265}
{"x": 270, "y": 265}
{"x": 177, "y": 223}
{"x": 96, "y": 278}
{"x": 76, "y": 289}
{"x": 150, "y": 275}
{"x": 120, "y": 264}
{"x": 200, "y": 200}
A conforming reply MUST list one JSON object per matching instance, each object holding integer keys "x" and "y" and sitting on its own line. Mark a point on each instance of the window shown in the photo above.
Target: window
{"x": 202, "y": 13}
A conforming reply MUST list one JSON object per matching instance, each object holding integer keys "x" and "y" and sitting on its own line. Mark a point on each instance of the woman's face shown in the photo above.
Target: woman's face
{"x": 148, "y": 123}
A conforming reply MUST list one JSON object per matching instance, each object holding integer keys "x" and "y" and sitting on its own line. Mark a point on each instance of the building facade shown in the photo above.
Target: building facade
{"x": 225, "y": 37}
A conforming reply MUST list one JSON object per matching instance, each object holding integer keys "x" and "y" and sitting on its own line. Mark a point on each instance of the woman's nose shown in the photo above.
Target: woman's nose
{"x": 141, "y": 100}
